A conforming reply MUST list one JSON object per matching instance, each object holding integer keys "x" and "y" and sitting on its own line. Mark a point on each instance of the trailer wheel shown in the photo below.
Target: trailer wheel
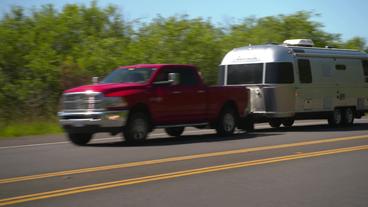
{"x": 227, "y": 122}
{"x": 174, "y": 131}
{"x": 79, "y": 139}
{"x": 335, "y": 118}
{"x": 288, "y": 122}
{"x": 275, "y": 123}
{"x": 348, "y": 117}
{"x": 137, "y": 128}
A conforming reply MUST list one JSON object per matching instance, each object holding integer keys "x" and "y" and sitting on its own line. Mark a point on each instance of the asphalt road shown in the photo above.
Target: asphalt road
{"x": 309, "y": 164}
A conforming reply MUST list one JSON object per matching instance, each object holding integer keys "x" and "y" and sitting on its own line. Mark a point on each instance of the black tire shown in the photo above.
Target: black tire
{"x": 227, "y": 122}
{"x": 335, "y": 118}
{"x": 348, "y": 117}
{"x": 288, "y": 122}
{"x": 137, "y": 128}
{"x": 275, "y": 123}
{"x": 174, "y": 131}
{"x": 80, "y": 139}
{"x": 246, "y": 124}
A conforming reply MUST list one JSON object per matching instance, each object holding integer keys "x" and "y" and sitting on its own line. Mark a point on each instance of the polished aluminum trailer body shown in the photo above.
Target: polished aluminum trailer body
{"x": 298, "y": 82}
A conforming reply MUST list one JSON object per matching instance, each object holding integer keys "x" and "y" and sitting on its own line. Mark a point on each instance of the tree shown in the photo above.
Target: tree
{"x": 179, "y": 40}
{"x": 356, "y": 43}
{"x": 276, "y": 29}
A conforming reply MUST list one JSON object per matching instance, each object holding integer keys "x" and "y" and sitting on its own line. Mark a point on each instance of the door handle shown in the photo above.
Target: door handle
{"x": 200, "y": 91}
{"x": 177, "y": 92}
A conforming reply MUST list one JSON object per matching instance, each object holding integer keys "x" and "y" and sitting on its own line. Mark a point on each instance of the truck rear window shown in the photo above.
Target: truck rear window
{"x": 221, "y": 75}
{"x": 244, "y": 74}
{"x": 279, "y": 72}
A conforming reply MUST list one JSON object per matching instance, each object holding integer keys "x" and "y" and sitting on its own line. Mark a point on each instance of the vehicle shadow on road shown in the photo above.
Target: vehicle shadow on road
{"x": 317, "y": 128}
{"x": 185, "y": 139}
{"x": 202, "y": 138}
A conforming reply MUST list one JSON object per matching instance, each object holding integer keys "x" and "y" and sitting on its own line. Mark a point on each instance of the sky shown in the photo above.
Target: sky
{"x": 346, "y": 17}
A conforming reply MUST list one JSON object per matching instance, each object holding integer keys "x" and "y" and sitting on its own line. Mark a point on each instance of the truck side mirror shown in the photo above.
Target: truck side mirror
{"x": 174, "y": 78}
{"x": 94, "y": 80}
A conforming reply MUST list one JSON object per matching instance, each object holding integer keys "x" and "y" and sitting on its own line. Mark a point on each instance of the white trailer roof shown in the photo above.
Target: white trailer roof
{"x": 284, "y": 53}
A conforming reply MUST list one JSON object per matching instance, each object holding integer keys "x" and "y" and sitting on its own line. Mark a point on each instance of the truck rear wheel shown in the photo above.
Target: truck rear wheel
{"x": 137, "y": 128}
{"x": 79, "y": 139}
{"x": 227, "y": 122}
{"x": 335, "y": 118}
{"x": 174, "y": 131}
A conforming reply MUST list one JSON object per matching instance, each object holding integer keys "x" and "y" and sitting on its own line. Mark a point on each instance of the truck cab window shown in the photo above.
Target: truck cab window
{"x": 281, "y": 72}
{"x": 305, "y": 74}
{"x": 187, "y": 76}
{"x": 221, "y": 75}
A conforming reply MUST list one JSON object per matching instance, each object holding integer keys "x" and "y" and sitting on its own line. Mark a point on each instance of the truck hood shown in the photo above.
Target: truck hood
{"x": 107, "y": 88}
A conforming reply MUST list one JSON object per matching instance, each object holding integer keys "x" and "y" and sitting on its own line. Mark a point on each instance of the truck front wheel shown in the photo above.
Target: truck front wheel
{"x": 79, "y": 139}
{"x": 226, "y": 123}
{"x": 137, "y": 128}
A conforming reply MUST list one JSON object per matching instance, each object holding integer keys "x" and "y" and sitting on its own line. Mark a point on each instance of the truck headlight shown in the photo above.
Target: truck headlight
{"x": 114, "y": 103}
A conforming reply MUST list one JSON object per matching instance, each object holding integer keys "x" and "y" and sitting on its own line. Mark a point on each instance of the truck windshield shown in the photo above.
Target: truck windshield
{"x": 129, "y": 75}
{"x": 244, "y": 74}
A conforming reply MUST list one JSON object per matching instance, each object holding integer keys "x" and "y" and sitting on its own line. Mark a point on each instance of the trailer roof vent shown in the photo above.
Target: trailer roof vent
{"x": 299, "y": 42}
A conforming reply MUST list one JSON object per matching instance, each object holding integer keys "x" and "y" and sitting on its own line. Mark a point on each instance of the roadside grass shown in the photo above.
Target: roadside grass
{"x": 17, "y": 129}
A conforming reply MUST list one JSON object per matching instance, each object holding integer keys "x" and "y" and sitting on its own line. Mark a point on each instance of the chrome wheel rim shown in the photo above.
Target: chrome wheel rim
{"x": 229, "y": 122}
{"x": 139, "y": 129}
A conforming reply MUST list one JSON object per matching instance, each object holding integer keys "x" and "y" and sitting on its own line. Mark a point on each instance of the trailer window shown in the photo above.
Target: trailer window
{"x": 279, "y": 73}
{"x": 244, "y": 74}
{"x": 340, "y": 67}
{"x": 305, "y": 74}
{"x": 365, "y": 68}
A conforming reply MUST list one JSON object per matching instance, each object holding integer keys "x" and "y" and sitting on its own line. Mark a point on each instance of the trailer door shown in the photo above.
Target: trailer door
{"x": 304, "y": 91}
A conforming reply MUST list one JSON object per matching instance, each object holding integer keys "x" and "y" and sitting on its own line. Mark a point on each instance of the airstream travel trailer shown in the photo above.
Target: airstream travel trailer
{"x": 296, "y": 80}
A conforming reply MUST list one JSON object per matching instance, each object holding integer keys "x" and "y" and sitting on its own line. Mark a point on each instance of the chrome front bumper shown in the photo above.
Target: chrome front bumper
{"x": 103, "y": 119}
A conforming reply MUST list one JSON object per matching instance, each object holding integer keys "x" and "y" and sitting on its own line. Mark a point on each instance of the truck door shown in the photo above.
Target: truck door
{"x": 193, "y": 96}
{"x": 182, "y": 103}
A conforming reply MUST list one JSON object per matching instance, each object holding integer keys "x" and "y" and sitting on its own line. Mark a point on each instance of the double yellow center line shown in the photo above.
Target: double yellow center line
{"x": 175, "y": 159}
{"x": 125, "y": 182}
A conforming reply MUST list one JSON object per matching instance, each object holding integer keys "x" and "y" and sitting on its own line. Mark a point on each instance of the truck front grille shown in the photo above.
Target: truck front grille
{"x": 82, "y": 102}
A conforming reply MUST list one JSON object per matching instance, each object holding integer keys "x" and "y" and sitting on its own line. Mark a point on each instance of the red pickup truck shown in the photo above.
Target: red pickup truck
{"x": 136, "y": 99}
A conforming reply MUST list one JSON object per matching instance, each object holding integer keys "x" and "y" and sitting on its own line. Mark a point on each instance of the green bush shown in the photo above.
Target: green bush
{"x": 32, "y": 128}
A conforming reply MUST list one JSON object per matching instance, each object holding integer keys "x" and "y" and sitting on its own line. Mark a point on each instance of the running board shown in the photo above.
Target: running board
{"x": 183, "y": 125}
